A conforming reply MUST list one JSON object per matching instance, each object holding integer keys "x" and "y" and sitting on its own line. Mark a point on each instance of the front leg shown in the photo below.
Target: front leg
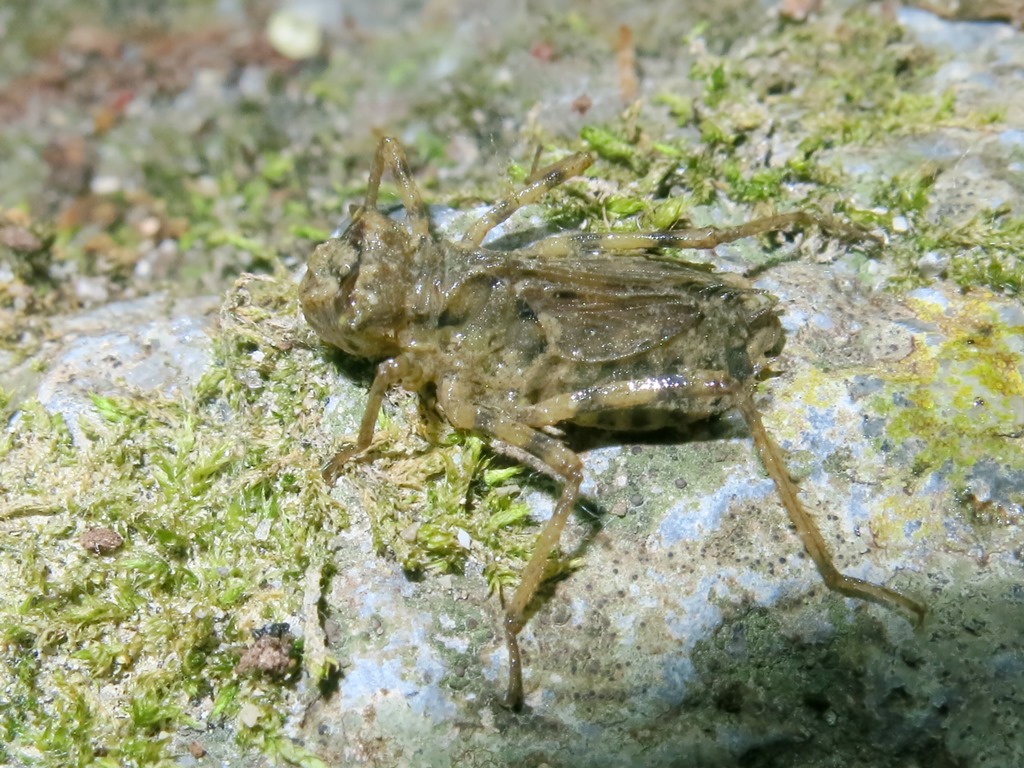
{"x": 397, "y": 370}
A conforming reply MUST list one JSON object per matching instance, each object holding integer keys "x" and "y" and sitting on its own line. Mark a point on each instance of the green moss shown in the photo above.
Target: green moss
{"x": 984, "y": 251}
{"x": 613, "y": 147}
{"x": 680, "y": 107}
{"x": 222, "y": 511}
{"x": 218, "y": 496}
{"x": 951, "y": 405}
{"x": 860, "y": 83}
{"x": 469, "y": 509}
{"x": 867, "y": 82}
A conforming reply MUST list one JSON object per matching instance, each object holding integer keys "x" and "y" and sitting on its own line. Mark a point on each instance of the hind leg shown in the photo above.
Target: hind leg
{"x": 684, "y": 394}
{"x": 807, "y": 530}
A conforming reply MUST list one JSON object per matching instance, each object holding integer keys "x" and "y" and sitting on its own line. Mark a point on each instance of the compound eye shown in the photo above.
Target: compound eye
{"x": 347, "y": 285}
{"x": 335, "y": 257}
{"x": 345, "y": 261}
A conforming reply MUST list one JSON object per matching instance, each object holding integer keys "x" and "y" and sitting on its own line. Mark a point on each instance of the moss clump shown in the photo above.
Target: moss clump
{"x": 109, "y": 659}
{"x": 713, "y": 168}
{"x": 951, "y": 407}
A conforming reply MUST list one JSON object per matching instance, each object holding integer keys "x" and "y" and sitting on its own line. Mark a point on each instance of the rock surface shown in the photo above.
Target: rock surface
{"x": 694, "y": 631}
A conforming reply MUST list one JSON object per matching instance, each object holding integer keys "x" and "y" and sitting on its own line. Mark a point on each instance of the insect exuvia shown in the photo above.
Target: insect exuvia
{"x": 582, "y": 328}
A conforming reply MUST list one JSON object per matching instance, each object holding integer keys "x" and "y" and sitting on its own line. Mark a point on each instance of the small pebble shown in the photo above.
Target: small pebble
{"x": 294, "y": 35}
{"x": 249, "y": 715}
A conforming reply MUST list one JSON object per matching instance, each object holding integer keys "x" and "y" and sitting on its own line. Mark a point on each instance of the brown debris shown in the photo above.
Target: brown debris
{"x": 70, "y": 160}
{"x": 798, "y": 10}
{"x": 269, "y": 655}
{"x": 625, "y": 62}
{"x": 101, "y": 541}
{"x": 975, "y": 10}
{"x": 90, "y": 39}
{"x": 582, "y": 104}
{"x": 543, "y": 50}
{"x": 19, "y": 239}
{"x": 196, "y": 749}
{"x": 102, "y": 77}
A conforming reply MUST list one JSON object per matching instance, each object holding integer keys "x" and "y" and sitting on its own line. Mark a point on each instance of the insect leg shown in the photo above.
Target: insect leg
{"x": 539, "y": 183}
{"x": 389, "y": 373}
{"x": 390, "y": 155}
{"x": 811, "y": 537}
{"x": 661, "y": 392}
{"x": 702, "y": 238}
{"x": 564, "y": 463}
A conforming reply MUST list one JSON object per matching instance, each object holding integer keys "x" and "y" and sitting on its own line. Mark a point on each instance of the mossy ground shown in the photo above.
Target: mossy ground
{"x": 111, "y": 657}
{"x": 115, "y": 659}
